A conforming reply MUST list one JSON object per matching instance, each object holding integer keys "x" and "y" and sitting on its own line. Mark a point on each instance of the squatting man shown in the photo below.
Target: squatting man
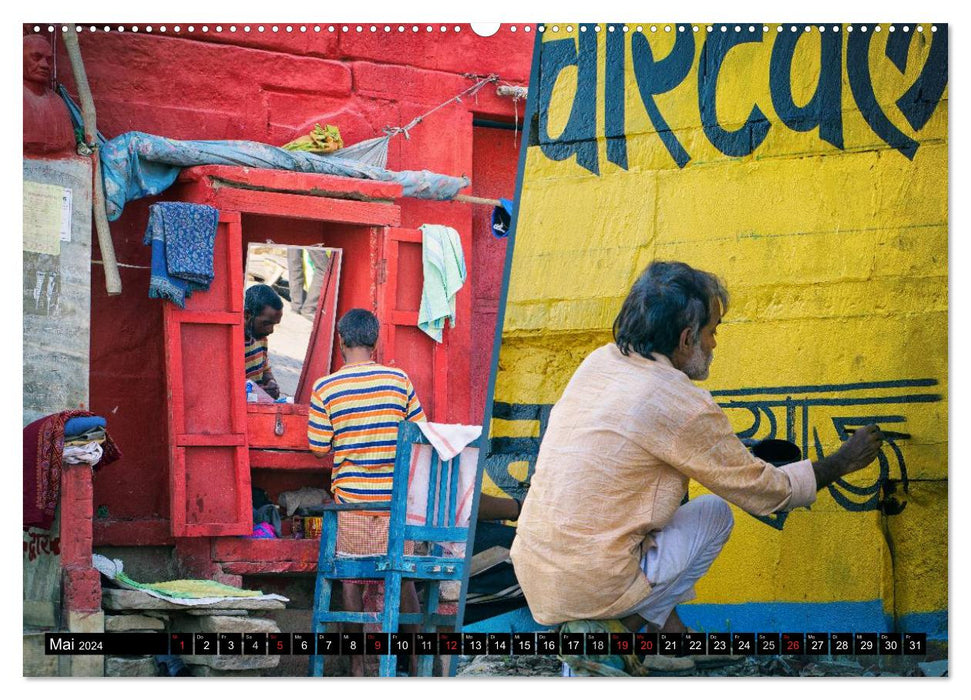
{"x": 603, "y": 534}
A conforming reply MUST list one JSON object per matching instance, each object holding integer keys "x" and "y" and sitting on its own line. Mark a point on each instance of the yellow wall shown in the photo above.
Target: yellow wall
{"x": 836, "y": 260}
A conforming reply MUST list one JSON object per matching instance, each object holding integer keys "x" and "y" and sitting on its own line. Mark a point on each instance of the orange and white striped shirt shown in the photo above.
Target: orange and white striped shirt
{"x": 355, "y": 412}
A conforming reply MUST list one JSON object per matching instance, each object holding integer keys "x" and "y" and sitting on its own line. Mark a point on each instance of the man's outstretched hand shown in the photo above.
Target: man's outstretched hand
{"x": 853, "y": 455}
{"x": 862, "y": 448}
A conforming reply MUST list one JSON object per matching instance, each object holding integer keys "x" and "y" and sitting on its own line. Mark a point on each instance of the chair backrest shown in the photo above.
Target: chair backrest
{"x": 431, "y": 497}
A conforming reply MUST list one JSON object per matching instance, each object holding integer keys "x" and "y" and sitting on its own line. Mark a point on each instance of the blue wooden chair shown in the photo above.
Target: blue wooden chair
{"x": 432, "y": 568}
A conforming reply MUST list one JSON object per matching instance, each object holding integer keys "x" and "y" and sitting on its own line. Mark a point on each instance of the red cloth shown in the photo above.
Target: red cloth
{"x": 43, "y": 452}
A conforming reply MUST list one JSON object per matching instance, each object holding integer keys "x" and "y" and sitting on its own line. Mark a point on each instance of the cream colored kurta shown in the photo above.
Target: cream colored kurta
{"x": 614, "y": 464}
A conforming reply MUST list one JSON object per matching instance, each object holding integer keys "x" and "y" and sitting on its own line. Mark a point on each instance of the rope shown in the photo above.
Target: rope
{"x": 517, "y": 92}
{"x": 392, "y": 131}
{"x": 134, "y": 267}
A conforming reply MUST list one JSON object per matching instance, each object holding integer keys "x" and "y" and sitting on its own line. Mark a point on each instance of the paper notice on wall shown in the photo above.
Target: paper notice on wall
{"x": 45, "y": 209}
{"x": 66, "y": 214}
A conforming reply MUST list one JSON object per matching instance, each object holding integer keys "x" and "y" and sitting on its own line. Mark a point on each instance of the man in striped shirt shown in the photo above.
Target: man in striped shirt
{"x": 262, "y": 311}
{"x": 354, "y": 414}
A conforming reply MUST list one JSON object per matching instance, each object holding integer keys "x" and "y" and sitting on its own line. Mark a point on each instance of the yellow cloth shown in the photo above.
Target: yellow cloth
{"x": 322, "y": 139}
{"x": 614, "y": 465}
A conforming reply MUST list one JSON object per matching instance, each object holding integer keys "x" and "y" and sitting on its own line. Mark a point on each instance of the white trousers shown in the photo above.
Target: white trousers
{"x": 683, "y": 551}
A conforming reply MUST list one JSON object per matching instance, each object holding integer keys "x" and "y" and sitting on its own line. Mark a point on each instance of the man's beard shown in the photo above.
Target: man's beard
{"x": 698, "y": 364}
{"x": 250, "y": 334}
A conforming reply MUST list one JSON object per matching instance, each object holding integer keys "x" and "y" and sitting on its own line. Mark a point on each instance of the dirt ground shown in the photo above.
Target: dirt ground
{"x": 749, "y": 666}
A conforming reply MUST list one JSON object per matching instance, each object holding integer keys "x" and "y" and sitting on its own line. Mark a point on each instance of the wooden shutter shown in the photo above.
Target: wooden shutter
{"x": 402, "y": 344}
{"x": 209, "y": 473}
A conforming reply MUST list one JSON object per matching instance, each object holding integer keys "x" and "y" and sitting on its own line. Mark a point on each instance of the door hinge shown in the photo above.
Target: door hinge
{"x": 382, "y": 271}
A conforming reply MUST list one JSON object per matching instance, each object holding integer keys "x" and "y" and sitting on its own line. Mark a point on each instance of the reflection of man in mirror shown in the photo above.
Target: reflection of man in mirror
{"x": 354, "y": 414}
{"x": 306, "y": 268}
{"x": 262, "y": 311}
{"x": 47, "y": 124}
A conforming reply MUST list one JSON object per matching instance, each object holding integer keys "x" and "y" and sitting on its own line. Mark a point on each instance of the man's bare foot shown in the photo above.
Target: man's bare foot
{"x": 673, "y": 623}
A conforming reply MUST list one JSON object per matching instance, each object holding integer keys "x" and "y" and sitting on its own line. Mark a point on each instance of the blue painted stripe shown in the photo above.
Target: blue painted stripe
{"x": 933, "y": 624}
{"x": 865, "y": 616}
{"x": 764, "y": 617}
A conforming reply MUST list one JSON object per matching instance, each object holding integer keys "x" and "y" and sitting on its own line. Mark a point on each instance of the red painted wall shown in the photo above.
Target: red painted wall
{"x": 273, "y": 87}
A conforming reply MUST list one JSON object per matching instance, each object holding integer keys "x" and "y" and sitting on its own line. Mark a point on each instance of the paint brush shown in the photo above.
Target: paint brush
{"x": 886, "y": 434}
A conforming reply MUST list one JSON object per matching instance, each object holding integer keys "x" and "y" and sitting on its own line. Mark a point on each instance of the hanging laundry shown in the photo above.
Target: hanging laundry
{"x": 443, "y": 266}
{"x": 43, "y": 462}
{"x": 182, "y": 237}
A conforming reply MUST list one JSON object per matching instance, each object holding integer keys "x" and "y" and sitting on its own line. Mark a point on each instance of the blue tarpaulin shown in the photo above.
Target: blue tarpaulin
{"x": 136, "y": 165}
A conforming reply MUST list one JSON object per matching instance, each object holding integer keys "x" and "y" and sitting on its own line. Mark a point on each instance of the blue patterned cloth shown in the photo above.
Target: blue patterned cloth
{"x": 182, "y": 237}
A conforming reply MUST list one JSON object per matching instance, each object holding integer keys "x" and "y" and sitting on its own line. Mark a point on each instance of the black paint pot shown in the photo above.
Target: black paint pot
{"x": 776, "y": 452}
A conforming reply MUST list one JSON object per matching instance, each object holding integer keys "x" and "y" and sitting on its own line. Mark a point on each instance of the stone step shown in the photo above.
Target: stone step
{"x": 36, "y": 663}
{"x": 232, "y": 663}
{"x": 132, "y": 623}
{"x": 221, "y": 623}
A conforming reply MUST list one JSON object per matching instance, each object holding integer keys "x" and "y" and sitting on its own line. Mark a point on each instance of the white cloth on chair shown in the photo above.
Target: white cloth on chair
{"x": 448, "y": 441}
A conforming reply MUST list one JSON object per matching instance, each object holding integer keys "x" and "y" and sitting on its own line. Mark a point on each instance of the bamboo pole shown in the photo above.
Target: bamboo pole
{"x": 112, "y": 277}
{"x": 469, "y": 199}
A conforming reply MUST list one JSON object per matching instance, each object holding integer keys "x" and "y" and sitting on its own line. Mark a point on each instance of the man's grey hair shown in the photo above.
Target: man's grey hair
{"x": 666, "y": 298}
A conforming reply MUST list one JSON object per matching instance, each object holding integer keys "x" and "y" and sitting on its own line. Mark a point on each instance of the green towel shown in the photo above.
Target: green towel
{"x": 443, "y": 266}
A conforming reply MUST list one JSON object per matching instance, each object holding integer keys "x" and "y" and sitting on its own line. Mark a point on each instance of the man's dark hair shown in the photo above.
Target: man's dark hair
{"x": 258, "y": 297}
{"x": 358, "y": 328}
{"x": 667, "y": 298}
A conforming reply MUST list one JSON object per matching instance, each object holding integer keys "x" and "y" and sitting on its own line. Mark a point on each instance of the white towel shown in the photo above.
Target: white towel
{"x": 448, "y": 441}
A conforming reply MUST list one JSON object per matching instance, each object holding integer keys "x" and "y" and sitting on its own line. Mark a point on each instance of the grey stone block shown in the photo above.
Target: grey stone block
{"x": 124, "y": 667}
{"x": 933, "y": 668}
{"x": 233, "y": 663}
{"x": 222, "y": 623}
{"x": 209, "y": 672}
{"x": 210, "y": 611}
{"x": 132, "y": 623}
{"x": 36, "y": 663}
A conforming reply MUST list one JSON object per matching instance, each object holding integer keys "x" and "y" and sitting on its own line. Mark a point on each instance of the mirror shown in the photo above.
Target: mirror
{"x": 300, "y": 347}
